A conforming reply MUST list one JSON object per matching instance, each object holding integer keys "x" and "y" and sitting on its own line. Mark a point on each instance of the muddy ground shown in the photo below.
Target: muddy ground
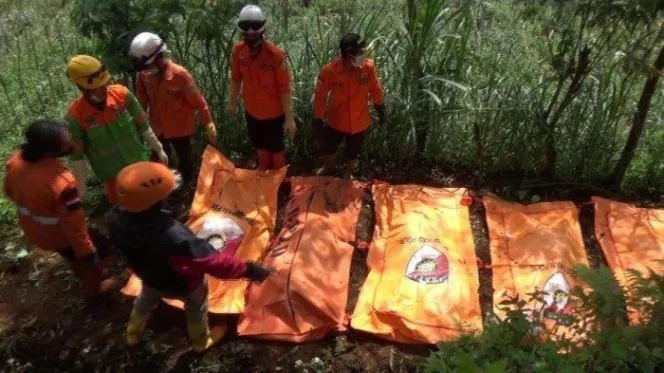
{"x": 45, "y": 326}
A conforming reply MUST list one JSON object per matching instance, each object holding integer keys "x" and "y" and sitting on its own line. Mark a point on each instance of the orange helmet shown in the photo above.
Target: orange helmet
{"x": 143, "y": 184}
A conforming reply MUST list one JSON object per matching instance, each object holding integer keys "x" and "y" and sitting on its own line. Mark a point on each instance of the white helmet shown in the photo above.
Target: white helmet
{"x": 251, "y": 19}
{"x": 146, "y": 46}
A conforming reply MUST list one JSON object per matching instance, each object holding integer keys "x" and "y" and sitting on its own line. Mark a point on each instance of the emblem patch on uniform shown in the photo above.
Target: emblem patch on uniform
{"x": 557, "y": 305}
{"x": 428, "y": 266}
{"x": 364, "y": 78}
{"x": 218, "y": 231}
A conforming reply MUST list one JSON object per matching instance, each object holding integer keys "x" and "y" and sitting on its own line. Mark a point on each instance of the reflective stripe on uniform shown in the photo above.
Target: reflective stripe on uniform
{"x": 44, "y": 220}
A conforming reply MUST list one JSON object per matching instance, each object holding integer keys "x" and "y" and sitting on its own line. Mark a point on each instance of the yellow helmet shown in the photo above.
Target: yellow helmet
{"x": 87, "y": 72}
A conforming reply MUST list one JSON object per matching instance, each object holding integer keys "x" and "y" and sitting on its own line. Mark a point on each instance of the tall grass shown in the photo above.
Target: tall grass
{"x": 479, "y": 85}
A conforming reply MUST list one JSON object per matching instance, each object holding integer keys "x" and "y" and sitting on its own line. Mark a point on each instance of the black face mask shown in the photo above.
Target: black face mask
{"x": 254, "y": 42}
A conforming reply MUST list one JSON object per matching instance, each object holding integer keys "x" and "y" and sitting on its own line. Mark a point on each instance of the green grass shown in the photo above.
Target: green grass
{"x": 467, "y": 83}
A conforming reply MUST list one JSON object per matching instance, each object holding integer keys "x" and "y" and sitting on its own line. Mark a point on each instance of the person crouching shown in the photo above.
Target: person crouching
{"x": 166, "y": 255}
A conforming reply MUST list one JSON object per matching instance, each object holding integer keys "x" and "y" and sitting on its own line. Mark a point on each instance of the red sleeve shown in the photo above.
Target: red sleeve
{"x": 320, "y": 94}
{"x": 219, "y": 265}
{"x": 236, "y": 73}
{"x": 195, "y": 98}
{"x": 283, "y": 76}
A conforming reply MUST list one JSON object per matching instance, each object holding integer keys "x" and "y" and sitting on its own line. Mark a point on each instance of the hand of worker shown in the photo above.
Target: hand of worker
{"x": 162, "y": 157}
{"x": 232, "y": 109}
{"x": 256, "y": 272}
{"x": 290, "y": 127}
{"x": 211, "y": 131}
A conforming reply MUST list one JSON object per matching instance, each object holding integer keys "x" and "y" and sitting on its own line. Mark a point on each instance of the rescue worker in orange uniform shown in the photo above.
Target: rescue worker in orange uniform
{"x": 168, "y": 258}
{"x": 107, "y": 124}
{"x": 49, "y": 206}
{"x": 350, "y": 81}
{"x": 169, "y": 93}
{"x": 259, "y": 68}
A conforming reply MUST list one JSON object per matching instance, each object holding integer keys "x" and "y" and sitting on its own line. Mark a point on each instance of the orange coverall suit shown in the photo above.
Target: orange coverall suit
{"x": 265, "y": 79}
{"x": 172, "y": 100}
{"x": 50, "y": 211}
{"x": 349, "y": 91}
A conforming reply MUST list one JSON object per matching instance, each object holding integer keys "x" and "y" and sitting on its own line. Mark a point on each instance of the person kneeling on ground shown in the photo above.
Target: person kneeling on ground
{"x": 168, "y": 258}
{"x": 49, "y": 207}
{"x": 350, "y": 81}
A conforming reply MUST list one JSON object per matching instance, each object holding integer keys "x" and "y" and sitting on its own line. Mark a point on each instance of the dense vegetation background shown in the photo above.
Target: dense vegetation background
{"x": 532, "y": 91}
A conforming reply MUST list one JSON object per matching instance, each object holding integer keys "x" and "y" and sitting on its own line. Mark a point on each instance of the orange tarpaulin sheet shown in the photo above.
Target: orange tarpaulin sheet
{"x": 423, "y": 281}
{"x": 306, "y": 298}
{"x": 535, "y": 248}
{"x": 631, "y": 238}
{"x": 230, "y": 202}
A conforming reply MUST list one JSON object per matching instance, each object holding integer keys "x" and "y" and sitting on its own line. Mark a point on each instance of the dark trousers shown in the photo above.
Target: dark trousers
{"x": 183, "y": 151}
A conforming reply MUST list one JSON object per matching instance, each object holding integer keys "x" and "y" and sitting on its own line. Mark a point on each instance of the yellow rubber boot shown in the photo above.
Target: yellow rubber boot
{"x": 202, "y": 337}
{"x": 136, "y": 327}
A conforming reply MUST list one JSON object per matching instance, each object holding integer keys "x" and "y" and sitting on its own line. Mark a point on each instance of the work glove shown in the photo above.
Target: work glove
{"x": 211, "y": 131}
{"x": 256, "y": 272}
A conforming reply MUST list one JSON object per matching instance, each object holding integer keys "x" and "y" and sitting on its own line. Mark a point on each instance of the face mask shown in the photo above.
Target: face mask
{"x": 358, "y": 61}
{"x": 254, "y": 41}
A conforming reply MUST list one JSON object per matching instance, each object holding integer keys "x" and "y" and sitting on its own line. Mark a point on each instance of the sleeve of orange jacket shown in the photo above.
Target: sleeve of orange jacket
{"x": 320, "y": 94}
{"x": 375, "y": 89}
{"x": 283, "y": 76}
{"x": 72, "y": 218}
{"x": 141, "y": 93}
{"x": 195, "y": 98}
{"x": 236, "y": 72}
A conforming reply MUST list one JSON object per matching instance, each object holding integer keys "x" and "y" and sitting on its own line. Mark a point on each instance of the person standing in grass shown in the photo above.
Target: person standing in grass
{"x": 349, "y": 82}
{"x": 259, "y": 68}
{"x": 169, "y": 93}
{"x": 168, "y": 258}
{"x": 107, "y": 124}
{"x": 49, "y": 207}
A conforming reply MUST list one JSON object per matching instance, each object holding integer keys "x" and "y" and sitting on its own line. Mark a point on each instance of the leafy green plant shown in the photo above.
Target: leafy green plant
{"x": 608, "y": 344}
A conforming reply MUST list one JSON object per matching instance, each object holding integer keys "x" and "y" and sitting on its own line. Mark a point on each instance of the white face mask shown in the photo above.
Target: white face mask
{"x": 358, "y": 61}
{"x": 153, "y": 69}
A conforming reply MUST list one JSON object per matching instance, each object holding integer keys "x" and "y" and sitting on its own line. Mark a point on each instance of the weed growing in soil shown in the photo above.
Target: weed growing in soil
{"x": 612, "y": 345}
